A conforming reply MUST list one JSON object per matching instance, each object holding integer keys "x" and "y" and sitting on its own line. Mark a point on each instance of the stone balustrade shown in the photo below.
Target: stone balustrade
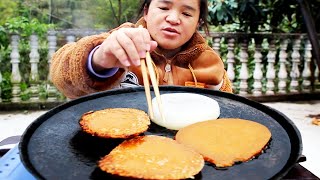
{"x": 262, "y": 66}
{"x": 268, "y": 65}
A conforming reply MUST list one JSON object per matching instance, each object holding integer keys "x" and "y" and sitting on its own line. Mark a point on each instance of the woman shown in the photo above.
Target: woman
{"x": 110, "y": 60}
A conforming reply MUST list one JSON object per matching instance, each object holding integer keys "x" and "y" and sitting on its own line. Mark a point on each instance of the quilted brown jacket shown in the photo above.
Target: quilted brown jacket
{"x": 195, "y": 65}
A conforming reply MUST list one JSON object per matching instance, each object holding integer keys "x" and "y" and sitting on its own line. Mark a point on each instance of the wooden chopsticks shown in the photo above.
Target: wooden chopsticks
{"x": 147, "y": 63}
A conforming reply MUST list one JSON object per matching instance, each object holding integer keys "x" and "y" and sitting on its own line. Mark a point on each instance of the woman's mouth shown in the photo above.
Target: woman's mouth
{"x": 170, "y": 31}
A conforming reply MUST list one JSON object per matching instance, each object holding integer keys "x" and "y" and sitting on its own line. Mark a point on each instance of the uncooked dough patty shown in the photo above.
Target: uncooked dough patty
{"x": 183, "y": 109}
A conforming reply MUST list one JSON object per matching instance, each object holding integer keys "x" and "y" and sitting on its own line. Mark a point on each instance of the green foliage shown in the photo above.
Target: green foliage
{"x": 7, "y": 9}
{"x": 261, "y": 15}
{"x": 221, "y": 11}
{"x": 248, "y": 14}
{"x": 251, "y": 15}
{"x": 112, "y": 13}
{"x": 75, "y": 14}
{"x": 43, "y": 94}
{"x": 24, "y": 51}
{"x": 24, "y": 27}
{"x": 4, "y": 39}
{"x": 224, "y": 15}
{"x": 5, "y": 59}
{"x": 25, "y": 93}
{"x": 16, "y": 25}
{"x": 6, "y": 87}
{"x": 283, "y": 15}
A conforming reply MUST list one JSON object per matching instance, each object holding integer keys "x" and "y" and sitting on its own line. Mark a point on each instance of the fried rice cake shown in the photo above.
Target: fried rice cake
{"x": 224, "y": 142}
{"x": 115, "y": 122}
{"x": 152, "y": 157}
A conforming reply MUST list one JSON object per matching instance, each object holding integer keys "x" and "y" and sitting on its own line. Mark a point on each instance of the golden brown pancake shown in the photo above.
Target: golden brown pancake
{"x": 225, "y": 141}
{"x": 115, "y": 122}
{"x": 152, "y": 157}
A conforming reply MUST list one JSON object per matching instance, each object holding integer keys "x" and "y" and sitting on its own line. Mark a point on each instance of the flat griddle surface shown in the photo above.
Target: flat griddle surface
{"x": 54, "y": 147}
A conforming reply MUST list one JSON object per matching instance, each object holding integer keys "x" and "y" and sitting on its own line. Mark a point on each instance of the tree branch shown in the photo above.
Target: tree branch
{"x": 114, "y": 13}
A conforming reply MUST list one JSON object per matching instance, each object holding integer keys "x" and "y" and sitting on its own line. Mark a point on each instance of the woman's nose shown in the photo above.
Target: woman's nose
{"x": 173, "y": 18}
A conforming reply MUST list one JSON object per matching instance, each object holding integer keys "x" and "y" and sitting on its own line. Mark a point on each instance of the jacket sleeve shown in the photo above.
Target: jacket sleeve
{"x": 209, "y": 68}
{"x": 68, "y": 70}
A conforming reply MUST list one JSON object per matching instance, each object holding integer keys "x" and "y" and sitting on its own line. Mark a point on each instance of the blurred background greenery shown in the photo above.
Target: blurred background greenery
{"x": 224, "y": 15}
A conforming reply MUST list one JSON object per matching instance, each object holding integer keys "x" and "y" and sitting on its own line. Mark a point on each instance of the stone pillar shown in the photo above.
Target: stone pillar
{"x": 52, "y": 45}
{"x": 231, "y": 61}
{"x": 257, "y": 73}
{"x": 244, "y": 72}
{"x": 295, "y": 73}
{"x": 15, "y": 73}
{"x": 216, "y": 44}
{"x": 283, "y": 74}
{"x": 34, "y": 73}
{"x": 306, "y": 73}
{"x": 271, "y": 72}
{"x": 70, "y": 38}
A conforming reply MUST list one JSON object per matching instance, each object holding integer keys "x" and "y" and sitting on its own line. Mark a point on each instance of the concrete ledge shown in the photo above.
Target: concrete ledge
{"x": 285, "y": 97}
{"x": 9, "y": 106}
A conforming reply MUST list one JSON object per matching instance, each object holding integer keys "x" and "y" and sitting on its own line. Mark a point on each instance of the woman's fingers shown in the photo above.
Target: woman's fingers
{"x": 125, "y": 47}
{"x": 135, "y": 42}
{"x": 146, "y": 38}
{"x": 133, "y": 45}
{"x": 113, "y": 53}
{"x": 153, "y": 45}
{"x": 120, "y": 54}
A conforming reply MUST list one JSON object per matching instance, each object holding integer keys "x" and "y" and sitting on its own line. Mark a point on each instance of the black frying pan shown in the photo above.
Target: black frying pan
{"x": 54, "y": 147}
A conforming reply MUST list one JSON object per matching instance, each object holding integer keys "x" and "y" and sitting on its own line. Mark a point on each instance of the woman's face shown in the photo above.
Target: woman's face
{"x": 172, "y": 22}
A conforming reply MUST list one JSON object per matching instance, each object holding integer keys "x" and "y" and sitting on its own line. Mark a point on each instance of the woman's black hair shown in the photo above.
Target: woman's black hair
{"x": 203, "y": 12}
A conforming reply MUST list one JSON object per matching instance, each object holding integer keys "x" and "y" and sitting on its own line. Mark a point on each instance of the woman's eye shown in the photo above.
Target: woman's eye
{"x": 163, "y": 8}
{"x": 187, "y": 14}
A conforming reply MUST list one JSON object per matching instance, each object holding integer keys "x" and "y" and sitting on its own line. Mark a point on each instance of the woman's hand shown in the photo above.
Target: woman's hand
{"x": 122, "y": 48}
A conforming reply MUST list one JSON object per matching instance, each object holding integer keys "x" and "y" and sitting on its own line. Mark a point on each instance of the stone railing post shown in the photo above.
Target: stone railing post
{"x": 306, "y": 73}
{"x": 34, "y": 73}
{"x": 15, "y": 73}
{"x": 257, "y": 73}
{"x": 231, "y": 61}
{"x": 244, "y": 72}
{"x": 271, "y": 72}
{"x": 216, "y": 44}
{"x": 295, "y": 73}
{"x": 283, "y": 74}
{"x": 52, "y": 46}
{"x": 70, "y": 38}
